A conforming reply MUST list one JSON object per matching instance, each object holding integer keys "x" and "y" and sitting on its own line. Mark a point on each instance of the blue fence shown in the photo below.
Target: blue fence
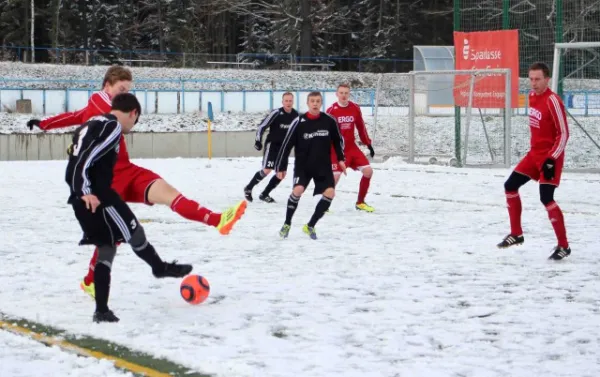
{"x": 180, "y": 98}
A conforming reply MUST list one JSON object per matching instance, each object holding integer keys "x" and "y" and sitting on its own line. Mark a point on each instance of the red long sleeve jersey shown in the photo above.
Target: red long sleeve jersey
{"x": 98, "y": 104}
{"x": 348, "y": 118}
{"x": 548, "y": 124}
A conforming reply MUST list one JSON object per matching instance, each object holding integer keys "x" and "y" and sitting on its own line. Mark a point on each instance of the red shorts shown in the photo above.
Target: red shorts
{"x": 531, "y": 166}
{"x": 355, "y": 159}
{"x": 132, "y": 184}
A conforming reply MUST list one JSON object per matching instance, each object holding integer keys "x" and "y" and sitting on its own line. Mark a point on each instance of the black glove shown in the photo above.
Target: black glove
{"x": 548, "y": 168}
{"x": 371, "y": 150}
{"x": 258, "y": 145}
{"x": 33, "y": 122}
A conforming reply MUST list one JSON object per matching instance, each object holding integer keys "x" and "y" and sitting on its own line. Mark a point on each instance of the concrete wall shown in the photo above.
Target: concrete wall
{"x": 140, "y": 145}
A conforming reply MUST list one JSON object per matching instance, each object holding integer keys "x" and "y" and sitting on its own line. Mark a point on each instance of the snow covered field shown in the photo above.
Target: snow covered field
{"x": 415, "y": 289}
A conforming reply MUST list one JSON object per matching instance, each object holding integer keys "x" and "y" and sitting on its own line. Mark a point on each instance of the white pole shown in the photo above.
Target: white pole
{"x": 376, "y": 109}
{"x": 555, "y": 68}
{"x": 469, "y": 111}
{"x": 411, "y": 118}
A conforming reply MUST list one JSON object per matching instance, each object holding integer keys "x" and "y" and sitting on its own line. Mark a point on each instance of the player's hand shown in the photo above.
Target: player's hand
{"x": 91, "y": 202}
{"x": 371, "y": 150}
{"x": 258, "y": 145}
{"x": 33, "y": 122}
{"x": 342, "y": 166}
{"x": 549, "y": 168}
{"x": 281, "y": 175}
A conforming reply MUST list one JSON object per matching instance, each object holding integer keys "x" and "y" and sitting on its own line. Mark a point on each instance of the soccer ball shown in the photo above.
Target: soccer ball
{"x": 194, "y": 289}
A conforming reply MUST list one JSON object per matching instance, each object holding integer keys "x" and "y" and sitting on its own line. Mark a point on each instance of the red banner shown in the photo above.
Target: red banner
{"x": 486, "y": 50}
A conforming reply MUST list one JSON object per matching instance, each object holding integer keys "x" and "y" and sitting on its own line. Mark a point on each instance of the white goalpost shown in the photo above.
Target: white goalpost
{"x": 576, "y": 76}
{"x": 455, "y": 117}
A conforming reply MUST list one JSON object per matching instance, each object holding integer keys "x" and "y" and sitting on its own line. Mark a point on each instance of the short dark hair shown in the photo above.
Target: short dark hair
{"x": 539, "y": 66}
{"x": 287, "y": 94}
{"x": 126, "y": 102}
{"x": 314, "y": 94}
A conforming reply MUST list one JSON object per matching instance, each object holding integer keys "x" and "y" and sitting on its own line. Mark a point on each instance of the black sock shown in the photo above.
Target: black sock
{"x": 322, "y": 207}
{"x": 271, "y": 185}
{"x": 102, "y": 285}
{"x": 292, "y": 204}
{"x": 149, "y": 255}
{"x": 259, "y": 176}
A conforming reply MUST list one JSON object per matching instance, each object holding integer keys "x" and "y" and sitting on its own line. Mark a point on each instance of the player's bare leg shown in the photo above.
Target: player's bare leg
{"x": 513, "y": 203}
{"x": 562, "y": 250}
{"x": 160, "y": 192}
{"x": 320, "y": 209}
{"x": 365, "y": 182}
{"x": 292, "y": 205}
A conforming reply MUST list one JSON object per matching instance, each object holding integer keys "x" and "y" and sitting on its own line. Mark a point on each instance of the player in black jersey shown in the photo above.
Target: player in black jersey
{"x": 278, "y": 122}
{"x": 312, "y": 134}
{"x": 104, "y": 217}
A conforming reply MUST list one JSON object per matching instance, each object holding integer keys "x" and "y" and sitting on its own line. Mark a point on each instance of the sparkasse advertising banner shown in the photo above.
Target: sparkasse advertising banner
{"x": 486, "y": 50}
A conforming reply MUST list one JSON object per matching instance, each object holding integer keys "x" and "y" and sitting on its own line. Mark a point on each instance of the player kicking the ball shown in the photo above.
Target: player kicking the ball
{"x": 312, "y": 135}
{"x": 104, "y": 217}
{"x": 543, "y": 162}
{"x": 133, "y": 183}
{"x": 278, "y": 122}
{"x": 348, "y": 116}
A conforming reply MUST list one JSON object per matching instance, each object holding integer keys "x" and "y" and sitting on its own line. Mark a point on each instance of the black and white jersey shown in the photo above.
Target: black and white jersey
{"x": 312, "y": 138}
{"x": 92, "y": 157}
{"x": 278, "y": 122}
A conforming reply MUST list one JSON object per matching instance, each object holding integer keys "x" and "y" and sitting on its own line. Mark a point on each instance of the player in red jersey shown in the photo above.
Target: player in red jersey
{"x": 348, "y": 116}
{"x": 544, "y": 161}
{"x": 135, "y": 184}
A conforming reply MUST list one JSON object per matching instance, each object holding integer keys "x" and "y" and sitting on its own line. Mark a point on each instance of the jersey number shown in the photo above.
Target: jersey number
{"x": 78, "y": 141}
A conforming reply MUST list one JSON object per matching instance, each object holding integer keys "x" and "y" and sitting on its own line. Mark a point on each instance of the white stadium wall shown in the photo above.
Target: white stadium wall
{"x": 48, "y": 102}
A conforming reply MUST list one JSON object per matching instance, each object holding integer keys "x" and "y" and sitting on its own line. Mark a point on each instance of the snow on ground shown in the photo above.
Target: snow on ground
{"x": 415, "y": 289}
{"x": 24, "y": 357}
{"x": 21, "y": 74}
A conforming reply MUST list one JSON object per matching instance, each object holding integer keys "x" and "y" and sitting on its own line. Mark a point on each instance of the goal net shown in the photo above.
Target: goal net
{"x": 576, "y": 76}
{"x": 456, "y": 117}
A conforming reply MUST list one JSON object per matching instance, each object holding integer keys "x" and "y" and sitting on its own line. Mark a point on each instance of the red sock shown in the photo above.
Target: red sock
{"x": 363, "y": 188}
{"x": 558, "y": 223}
{"x": 191, "y": 210}
{"x": 513, "y": 202}
{"x": 89, "y": 278}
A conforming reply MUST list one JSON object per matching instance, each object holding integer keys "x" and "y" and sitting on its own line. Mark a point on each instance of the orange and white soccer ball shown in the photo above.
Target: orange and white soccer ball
{"x": 194, "y": 289}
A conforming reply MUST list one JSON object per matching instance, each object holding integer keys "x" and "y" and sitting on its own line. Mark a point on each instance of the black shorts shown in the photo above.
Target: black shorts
{"x": 323, "y": 179}
{"x": 270, "y": 155}
{"x": 111, "y": 223}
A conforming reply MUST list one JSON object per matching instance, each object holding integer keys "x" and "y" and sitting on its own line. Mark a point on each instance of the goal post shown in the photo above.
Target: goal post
{"x": 576, "y": 77}
{"x": 414, "y": 116}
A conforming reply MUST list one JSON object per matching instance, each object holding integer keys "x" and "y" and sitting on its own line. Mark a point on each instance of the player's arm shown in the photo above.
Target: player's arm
{"x": 98, "y": 104}
{"x": 337, "y": 140}
{"x": 266, "y": 123}
{"x": 559, "y": 116}
{"x": 362, "y": 130}
{"x": 89, "y": 147}
{"x": 361, "y": 127}
{"x": 289, "y": 142}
